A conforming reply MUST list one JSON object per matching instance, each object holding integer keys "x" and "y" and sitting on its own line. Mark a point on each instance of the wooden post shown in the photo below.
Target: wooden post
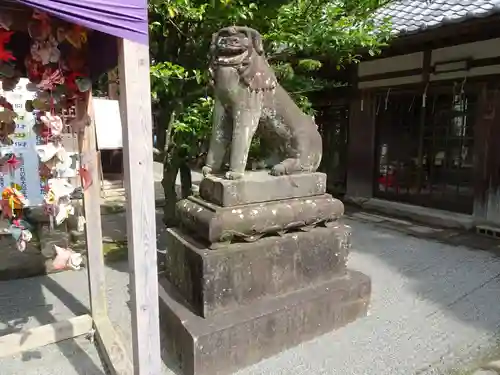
{"x": 92, "y": 207}
{"x": 113, "y": 84}
{"x": 113, "y": 93}
{"x": 135, "y": 108}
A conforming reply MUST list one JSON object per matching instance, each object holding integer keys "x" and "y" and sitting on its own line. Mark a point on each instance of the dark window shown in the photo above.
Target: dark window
{"x": 333, "y": 124}
{"x": 425, "y": 152}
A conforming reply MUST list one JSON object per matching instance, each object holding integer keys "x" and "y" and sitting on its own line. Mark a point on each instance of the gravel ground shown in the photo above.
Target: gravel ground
{"x": 434, "y": 307}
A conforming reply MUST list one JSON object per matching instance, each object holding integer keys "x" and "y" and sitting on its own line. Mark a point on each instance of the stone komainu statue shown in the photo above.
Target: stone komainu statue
{"x": 248, "y": 97}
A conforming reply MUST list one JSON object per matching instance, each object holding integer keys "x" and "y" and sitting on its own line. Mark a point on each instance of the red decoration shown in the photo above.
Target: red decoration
{"x": 34, "y": 69}
{"x": 86, "y": 177}
{"x": 4, "y": 39}
{"x": 5, "y": 36}
{"x": 71, "y": 81}
{"x": 50, "y": 79}
{"x": 11, "y": 164}
{"x": 6, "y": 55}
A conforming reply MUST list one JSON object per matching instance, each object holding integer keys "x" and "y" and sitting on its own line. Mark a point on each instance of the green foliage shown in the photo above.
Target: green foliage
{"x": 192, "y": 127}
{"x": 299, "y": 35}
{"x": 326, "y": 30}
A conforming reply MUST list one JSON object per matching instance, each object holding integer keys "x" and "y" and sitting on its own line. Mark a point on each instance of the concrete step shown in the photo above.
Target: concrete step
{"x": 111, "y": 189}
{"x": 113, "y": 193}
{"x": 107, "y": 184}
{"x": 428, "y": 216}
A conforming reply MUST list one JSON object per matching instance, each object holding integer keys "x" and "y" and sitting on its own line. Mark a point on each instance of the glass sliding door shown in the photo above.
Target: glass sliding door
{"x": 424, "y": 153}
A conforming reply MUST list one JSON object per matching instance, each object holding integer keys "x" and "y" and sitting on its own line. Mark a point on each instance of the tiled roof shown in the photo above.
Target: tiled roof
{"x": 412, "y": 16}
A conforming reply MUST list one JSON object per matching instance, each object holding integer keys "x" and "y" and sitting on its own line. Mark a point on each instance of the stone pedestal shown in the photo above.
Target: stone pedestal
{"x": 217, "y": 225}
{"x": 259, "y": 187}
{"x": 250, "y": 273}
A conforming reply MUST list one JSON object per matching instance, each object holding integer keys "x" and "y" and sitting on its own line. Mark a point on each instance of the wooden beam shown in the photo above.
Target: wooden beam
{"x": 92, "y": 207}
{"x": 33, "y": 338}
{"x": 111, "y": 345}
{"x": 135, "y": 107}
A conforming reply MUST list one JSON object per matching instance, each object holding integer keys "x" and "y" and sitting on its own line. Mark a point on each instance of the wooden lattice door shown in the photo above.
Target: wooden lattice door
{"x": 333, "y": 124}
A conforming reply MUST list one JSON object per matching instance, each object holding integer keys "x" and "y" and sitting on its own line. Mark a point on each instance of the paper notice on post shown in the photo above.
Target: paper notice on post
{"x": 108, "y": 124}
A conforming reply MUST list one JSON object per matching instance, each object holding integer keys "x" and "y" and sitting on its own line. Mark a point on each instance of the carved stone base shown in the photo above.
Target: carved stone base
{"x": 227, "y": 342}
{"x": 212, "y": 281}
{"x": 259, "y": 186}
{"x": 250, "y": 222}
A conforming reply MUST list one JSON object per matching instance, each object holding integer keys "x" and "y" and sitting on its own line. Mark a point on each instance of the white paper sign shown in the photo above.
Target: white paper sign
{"x": 27, "y": 174}
{"x": 108, "y": 124}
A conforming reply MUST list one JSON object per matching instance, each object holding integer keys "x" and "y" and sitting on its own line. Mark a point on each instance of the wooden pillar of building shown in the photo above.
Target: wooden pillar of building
{"x": 487, "y": 157}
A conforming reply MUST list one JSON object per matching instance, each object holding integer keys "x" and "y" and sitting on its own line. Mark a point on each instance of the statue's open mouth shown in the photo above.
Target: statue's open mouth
{"x": 231, "y": 56}
{"x": 230, "y": 51}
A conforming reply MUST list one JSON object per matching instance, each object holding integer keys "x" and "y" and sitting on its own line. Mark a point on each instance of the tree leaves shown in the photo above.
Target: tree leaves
{"x": 299, "y": 35}
{"x": 192, "y": 127}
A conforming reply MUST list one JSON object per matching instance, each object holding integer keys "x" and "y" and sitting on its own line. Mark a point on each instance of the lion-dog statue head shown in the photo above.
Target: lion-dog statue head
{"x": 242, "y": 47}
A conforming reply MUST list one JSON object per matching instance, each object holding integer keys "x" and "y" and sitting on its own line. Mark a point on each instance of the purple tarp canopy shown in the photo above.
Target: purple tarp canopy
{"x": 127, "y": 19}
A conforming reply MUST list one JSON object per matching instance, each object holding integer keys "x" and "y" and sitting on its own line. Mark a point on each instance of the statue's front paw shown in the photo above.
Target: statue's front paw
{"x": 278, "y": 170}
{"x": 206, "y": 170}
{"x": 230, "y": 175}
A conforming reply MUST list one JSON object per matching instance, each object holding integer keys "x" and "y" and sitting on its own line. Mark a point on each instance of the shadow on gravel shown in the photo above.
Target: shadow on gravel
{"x": 23, "y": 301}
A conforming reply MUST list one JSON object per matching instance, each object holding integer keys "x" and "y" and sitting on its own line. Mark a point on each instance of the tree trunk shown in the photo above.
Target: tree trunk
{"x": 159, "y": 132}
{"x": 186, "y": 179}
{"x": 173, "y": 163}
{"x": 170, "y": 170}
{"x": 168, "y": 131}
